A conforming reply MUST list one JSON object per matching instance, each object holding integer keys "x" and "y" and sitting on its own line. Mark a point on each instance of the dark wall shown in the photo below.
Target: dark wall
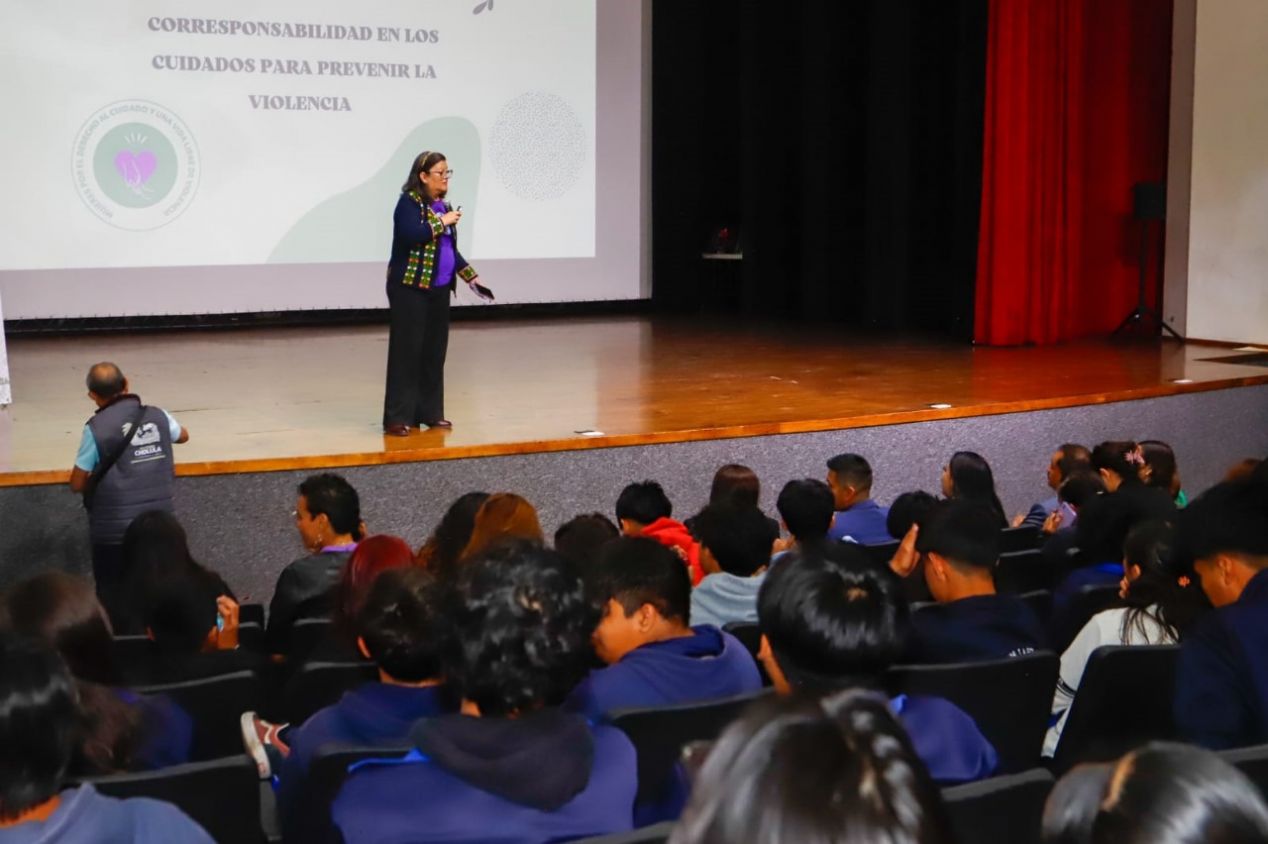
{"x": 844, "y": 139}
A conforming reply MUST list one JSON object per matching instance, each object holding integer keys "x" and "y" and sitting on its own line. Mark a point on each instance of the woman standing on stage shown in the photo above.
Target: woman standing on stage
{"x": 421, "y": 275}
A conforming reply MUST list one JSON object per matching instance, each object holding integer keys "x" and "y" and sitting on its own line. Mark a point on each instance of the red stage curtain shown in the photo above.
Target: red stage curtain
{"x": 1077, "y": 95}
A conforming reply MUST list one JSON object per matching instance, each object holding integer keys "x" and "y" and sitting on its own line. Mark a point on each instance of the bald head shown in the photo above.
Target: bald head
{"x": 105, "y": 380}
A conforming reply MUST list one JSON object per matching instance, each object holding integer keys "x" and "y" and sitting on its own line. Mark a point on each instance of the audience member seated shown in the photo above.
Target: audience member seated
{"x": 1161, "y": 470}
{"x": 154, "y": 547}
{"x": 643, "y": 509}
{"x": 829, "y": 621}
{"x": 806, "y": 511}
{"x": 737, "y": 485}
{"x": 398, "y": 628}
{"x": 512, "y": 766}
{"x": 1067, "y": 459}
{"x": 1160, "y": 794}
{"x": 1162, "y": 603}
{"x": 195, "y": 635}
{"x": 440, "y": 553}
{"x": 653, "y": 656}
{"x": 735, "y": 549}
{"x": 1222, "y": 676}
{"x": 373, "y": 555}
{"x": 40, "y": 715}
{"x": 958, "y": 544}
{"x": 858, "y": 518}
{"x": 581, "y": 539}
{"x": 968, "y": 477}
{"x": 503, "y": 517}
{"x": 836, "y": 769}
{"x": 1060, "y": 529}
{"x": 120, "y": 730}
{"x": 328, "y": 517}
{"x": 1105, "y": 520}
{"x": 908, "y": 509}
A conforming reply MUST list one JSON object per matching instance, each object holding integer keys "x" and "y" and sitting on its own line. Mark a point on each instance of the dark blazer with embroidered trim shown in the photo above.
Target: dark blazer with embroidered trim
{"x": 416, "y": 231}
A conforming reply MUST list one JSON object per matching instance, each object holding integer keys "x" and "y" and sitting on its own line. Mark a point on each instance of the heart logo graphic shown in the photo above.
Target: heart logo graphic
{"x": 135, "y": 169}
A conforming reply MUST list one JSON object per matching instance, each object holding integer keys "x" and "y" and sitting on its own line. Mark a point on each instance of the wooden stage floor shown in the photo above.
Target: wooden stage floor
{"x": 293, "y": 398}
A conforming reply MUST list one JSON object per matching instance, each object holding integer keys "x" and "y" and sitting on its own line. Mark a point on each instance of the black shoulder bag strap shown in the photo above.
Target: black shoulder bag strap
{"x": 108, "y": 460}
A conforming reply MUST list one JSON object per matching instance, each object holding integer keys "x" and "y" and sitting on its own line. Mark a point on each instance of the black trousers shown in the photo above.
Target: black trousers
{"x": 108, "y": 575}
{"x": 416, "y": 348}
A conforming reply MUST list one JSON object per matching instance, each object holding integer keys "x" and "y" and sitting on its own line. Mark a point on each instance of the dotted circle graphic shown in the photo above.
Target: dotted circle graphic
{"x": 537, "y": 146}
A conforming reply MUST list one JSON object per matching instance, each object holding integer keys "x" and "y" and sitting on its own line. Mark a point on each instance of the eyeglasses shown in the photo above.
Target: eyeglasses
{"x": 442, "y": 173}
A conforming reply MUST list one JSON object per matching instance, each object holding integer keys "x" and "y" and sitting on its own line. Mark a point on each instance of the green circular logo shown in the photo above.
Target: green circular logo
{"x": 135, "y": 165}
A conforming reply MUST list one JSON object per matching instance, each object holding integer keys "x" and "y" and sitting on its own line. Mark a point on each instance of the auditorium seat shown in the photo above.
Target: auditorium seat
{"x": 1000, "y": 809}
{"x": 1018, "y": 572}
{"x": 1010, "y": 699}
{"x": 304, "y": 636}
{"x": 881, "y": 554}
{"x": 1123, "y": 701}
{"x": 215, "y": 704}
{"x": 1025, "y": 538}
{"x": 749, "y": 635}
{"x": 1087, "y": 602}
{"x": 1040, "y": 603}
{"x": 326, "y": 775}
{"x": 222, "y": 795}
{"x": 1251, "y": 761}
{"x": 660, "y": 733}
{"x": 318, "y": 684}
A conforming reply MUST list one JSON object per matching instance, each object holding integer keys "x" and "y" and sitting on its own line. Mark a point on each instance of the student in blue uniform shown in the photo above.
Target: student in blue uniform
{"x": 959, "y": 545}
{"x": 39, "y": 731}
{"x": 830, "y": 621}
{"x": 1221, "y": 695}
{"x": 398, "y": 628}
{"x": 654, "y": 657}
{"x": 511, "y": 766}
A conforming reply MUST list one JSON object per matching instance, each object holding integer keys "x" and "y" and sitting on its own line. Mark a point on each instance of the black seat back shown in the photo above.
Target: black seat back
{"x": 748, "y": 633}
{"x": 221, "y": 795}
{"x": 1251, "y": 761}
{"x": 1008, "y": 808}
{"x": 310, "y": 822}
{"x": 318, "y": 684}
{"x": 1040, "y": 603}
{"x": 216, "y": 705}
{"x": 1024, "y": 538}
{"x": 1023, "y": 571}
{"x": 1010, "y": 699}
{"x": 660, "y": 733}
{"x": 304, "y": 636}
{"x": 1123, "y": 701}
{"x": 1087, "y": 602}
{"x": 881, "y": 554}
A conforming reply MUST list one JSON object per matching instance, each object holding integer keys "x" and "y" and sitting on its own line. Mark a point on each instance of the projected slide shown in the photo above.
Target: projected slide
{"x": 239, "y": 132}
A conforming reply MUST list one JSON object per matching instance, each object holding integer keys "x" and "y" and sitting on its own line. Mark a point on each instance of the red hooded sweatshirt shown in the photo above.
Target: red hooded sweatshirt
{"x": 674, "y": 534}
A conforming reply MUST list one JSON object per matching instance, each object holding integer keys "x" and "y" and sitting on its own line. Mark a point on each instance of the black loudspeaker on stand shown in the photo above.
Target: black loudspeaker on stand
{"x": 1149, "y": 204}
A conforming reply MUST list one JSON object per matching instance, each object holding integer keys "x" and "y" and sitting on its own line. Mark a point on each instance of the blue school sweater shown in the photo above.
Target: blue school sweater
{"x": 1221, "y": 697}
{"x": 369, "y": 715}
{"x": 946, "y": 739}
{"x": 863, "y": 523}
{"x": 981, "y": 627}
{"x": 85, "y": 816}
{"x": 546, "y": 776}
{"x": 706, "y": 665}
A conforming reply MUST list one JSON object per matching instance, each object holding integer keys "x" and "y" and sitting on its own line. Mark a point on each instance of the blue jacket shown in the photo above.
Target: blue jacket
{"x": 1221, "y": 697}
{"x": 982, "y": 627}
{"x": 547, "y": 776}
{"x": 369, "y": 715}
{"x": 86, "y": 817}
{"x": 167, "y": 736}
{"x": 864, "y": 523}
{"x": 708, "y": 665}
{"x": 946, "y": 739}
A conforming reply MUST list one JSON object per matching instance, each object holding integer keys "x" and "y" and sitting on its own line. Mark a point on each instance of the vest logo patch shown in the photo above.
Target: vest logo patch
{"x": 146, "y": 434}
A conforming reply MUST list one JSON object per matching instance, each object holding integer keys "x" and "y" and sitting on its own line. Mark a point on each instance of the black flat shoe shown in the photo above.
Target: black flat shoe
{"x": 396, "y": 430}
{"x": 439, "y": 423}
